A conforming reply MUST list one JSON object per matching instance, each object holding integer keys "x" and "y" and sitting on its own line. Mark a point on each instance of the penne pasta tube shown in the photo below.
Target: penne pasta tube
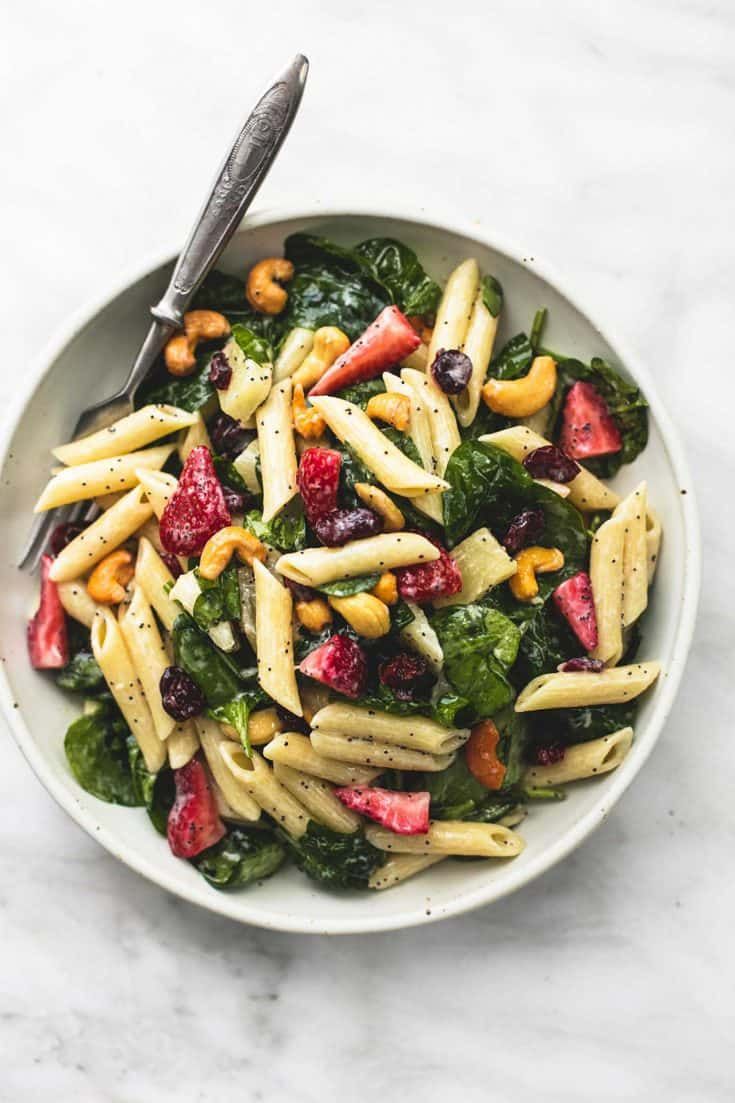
{"x": 582, "y": 760}
{"x": 419, "y": 431}
{"x": 148, "y": 654}
{"x": 653, "y": 542}
{"x": 399, "y": 867}
{"x": 108, "y": 532}
{"x": 418, "y": 359}
{"x": 390, "y": 466}
{"x": 158, "y": 487}
{"x": 586, "y": 491}
{"x": 238, "y": 798}
{"x": 108, "y": 647}
{"x": 317, "y": 566}
{"x": 606, "y": 575}
{"x": 278, "y": 465}
{"x": 76, "y": 601}
{"x": 478, "y": 345}
{"x": 185, "y": 591}
{"x": 294, "y": 350}
{"x": 559, "y": 488}
{"x": 421, "y": 638}
{"x": 473, "y": 840}
{"x": 193, "y": 437}
{"x": 246, "y": 466}
{"x": 369, "y": 752}
{"x": 257, "y": 778}
{"x": 632, "y": 512}
{"x": 295, "y": 750}
{"x": 575, "y": 690}
{"x": 274, "y": 639}
{"x": 156, "y": 580}
{"x": 100, "y": 477}
{"x": 127, "y": 435}
{"x": 483, "y": 563}
{"x": 182, "y": 744}
{"x": 416, "y": 732}
{"x": 318, "y": 799}
{"x": 249, "y": 385}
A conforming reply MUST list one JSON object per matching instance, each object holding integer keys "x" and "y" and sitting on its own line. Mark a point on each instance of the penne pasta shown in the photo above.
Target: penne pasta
{"x": 108, "y": 647}
{"x": 257, "y": 778}
{"x": 76, "y": 601}
{"x": 317, "y": 566}
{"x": 586, "y": 491}
{"x": 294, "y": 350}
{"x": 274, "y": 639}
{"x": 158, "y": 487}
{"x": 129, "y": 434}
{"x": 249, "y": 386}
{"x": 318, "y": 799}
{"x": 653, "y": 542}
{"x": 390, "y": 466}
{"x": 440, "y": 415}
{"x": 483, "y": 563}
{"x": 182, "y": 744}
{"x": 478, "y": 346}
{"x": 246, "y": 466}
{"x": 421, "y": 638}
{"x": 185, "y": 591}
{"x": 632, "y": 512}
{"x": 399, "y": 867}
{"x": 419, "y": 431}
{"x": 100, "y": 477}
{"x": 473, "y": 840}
{"x": 583, "y": 760}
{"x": 577, "y": 689}
{"x": 606, "y": 575}
{"x": 108, "y": 532}
{"x": 148, "y": 655}
{"x": 295, "y": 750}
{"x": 559, "y": 488}
{"x": 370, "y": 752}
{"x": 278, "y": 465}
{"x": 416, "y": 732}
{"x": 238, "y": 798}
{"x": 193, "y": 437}
{"x": 156, "y": 581}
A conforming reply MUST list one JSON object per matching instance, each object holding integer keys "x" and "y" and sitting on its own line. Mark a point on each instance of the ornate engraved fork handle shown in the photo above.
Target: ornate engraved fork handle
{"x": 237, "y": 182}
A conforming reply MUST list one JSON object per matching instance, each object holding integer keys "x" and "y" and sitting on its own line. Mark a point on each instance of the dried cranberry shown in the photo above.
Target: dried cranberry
{"x": 523, "y": 530}
{"x": 451, "y": 370}
{"x": 318, "y": 480}
{"x": 551, "y": 753}
{"x": 181, "y": 697}
{"x": 593, "y": 666}
{"x": 347, "y": 524}
{"x": 405, "y": 674}
{"x": 220, "y": 372}
{"x": 235, "y": 500}
{"x": 300, "y": 593}
{"x": 63, "y": 535}
{"x": 229, "y": 437}
{"x": 292, "y": 722}
{"x": 550, "y": 462}
{"x": 172, "y": 563}
{"x": 428, "y": 581}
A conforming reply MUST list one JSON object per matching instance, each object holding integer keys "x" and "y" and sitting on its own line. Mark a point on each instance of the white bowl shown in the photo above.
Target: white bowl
{"x": 88, "y": 361}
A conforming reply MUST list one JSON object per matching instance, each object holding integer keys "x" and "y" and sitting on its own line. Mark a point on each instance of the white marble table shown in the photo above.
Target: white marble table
{"x": 602, "y": 136}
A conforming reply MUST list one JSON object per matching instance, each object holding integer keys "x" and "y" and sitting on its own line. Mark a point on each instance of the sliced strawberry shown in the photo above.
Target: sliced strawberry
{"x": 193, "y": 822}
{"x": 403, "y": 813}
{"x": 318, "y": 480}
{"x": 339, "y": 663}
{"x": 385, "y": 342}
{"x": 428, "y": 581}
{"x": 588, "y": 427}
{"x": 575, "y": 602}
{"x": 196, "y": 509}
{"x": 48, "y": 643}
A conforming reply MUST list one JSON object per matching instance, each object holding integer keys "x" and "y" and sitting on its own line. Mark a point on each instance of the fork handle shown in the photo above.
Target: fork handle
{"x": 243, "y": 171}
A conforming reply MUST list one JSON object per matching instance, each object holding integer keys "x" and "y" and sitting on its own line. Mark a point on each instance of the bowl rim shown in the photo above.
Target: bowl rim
{"x": 237, "y": 907}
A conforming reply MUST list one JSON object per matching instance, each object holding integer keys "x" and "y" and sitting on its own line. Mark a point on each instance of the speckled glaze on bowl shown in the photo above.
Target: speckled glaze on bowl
{"x": 87, "y": 361}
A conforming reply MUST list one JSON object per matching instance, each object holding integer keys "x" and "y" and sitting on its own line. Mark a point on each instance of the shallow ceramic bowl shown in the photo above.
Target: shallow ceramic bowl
{"x": 88, "y": 361}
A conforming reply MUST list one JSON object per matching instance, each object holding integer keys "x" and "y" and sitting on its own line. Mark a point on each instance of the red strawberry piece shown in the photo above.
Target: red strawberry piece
{"x": 575, "y": 602}
{"x": 588, "y": 428}
{"x": 196, "y": 509}
{"x": 339, "y": 663}
{"x": 385, "y": 342}
{"x": 318, "y": 480}
{"x": 428, "y": 581}
{"x": 193, "y": 822}
{"x": 48, "y": 643}
{"x": 403, "y": 813}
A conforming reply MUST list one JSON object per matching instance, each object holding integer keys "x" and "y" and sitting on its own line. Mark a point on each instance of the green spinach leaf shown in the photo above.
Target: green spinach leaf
{"x": 195, "y": 653}
{"x": 359, "y": 394}
{"x": 480, "y": 646}
{"x": 334, "y": 859}
{"x": 346, "y": 587}
{"x": 286, "y": 531}
{"x": 237, "y": 711}
{"x": 96, "y": 747}
{"x": 81, "y": 674}
{"x": 190, "y": 392}
{"x": 492, "y": 294}
{"x": 398, "y": 270}
{"x": 255, "y": 347}
{"x": 242, "y": 856}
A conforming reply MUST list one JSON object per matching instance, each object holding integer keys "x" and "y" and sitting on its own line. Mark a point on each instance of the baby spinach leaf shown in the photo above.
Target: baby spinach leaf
{"x": 209, "y": 607}
{"x": 359, "y": 394}
{"x": 346, "y": 587}
{"x": 237, "y": 713}
{"x": 403, "y": 442}
{"x": 228, "y": 474}
{"x": 591, "y": 722}
{"x": 546, "y": 639}
{"x": 96, "y": 747}
{"x": 334, "y": 859}
{"x": 457, "y": 795}
{"x": 400, "y": 616}
{"x": 480, "y": 646}
{"x": 209, "y": 667}
{"x": 242, "y": 856}
{"x": 190, "y": 393}
{"x": 511, "y": 750}
{"x": 513, "y": 360}
{"x": 492, "y": 294}
{"x": 81, "y": 674}
{"x": 397, "y": 268}
{"x": 255, "y": 348}
{"x": 286, "y": 531}
{"x": 221, "y": 292}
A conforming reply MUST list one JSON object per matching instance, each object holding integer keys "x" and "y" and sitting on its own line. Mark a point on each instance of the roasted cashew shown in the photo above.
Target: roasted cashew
{"x": 378, "y": 500}
{"x": 307, "y": 421}
{"x": 220, "y": 548}
{"x": 108, "y": 580}
{"x": 263, "y": 290}
{"x": 391, "y": 407}
{"x": 525, "y": 396}
{"x": 199, "y": 325}
{"x": 313, "y": 615}
{"x": 386, "y": 588}
{"x": 532, "y": 561}
{"x": 329, "y": 344}
{"x": 368, "y": 615}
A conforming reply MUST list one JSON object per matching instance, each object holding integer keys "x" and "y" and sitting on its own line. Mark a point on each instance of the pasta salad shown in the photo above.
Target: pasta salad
{"x": 353, "y": 589}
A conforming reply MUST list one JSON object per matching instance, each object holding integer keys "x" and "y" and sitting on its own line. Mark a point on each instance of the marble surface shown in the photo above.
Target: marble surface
{"x": 600, "y": 135}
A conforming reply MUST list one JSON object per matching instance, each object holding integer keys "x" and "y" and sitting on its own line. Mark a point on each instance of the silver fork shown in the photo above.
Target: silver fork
{"x": 241, "y": 174}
